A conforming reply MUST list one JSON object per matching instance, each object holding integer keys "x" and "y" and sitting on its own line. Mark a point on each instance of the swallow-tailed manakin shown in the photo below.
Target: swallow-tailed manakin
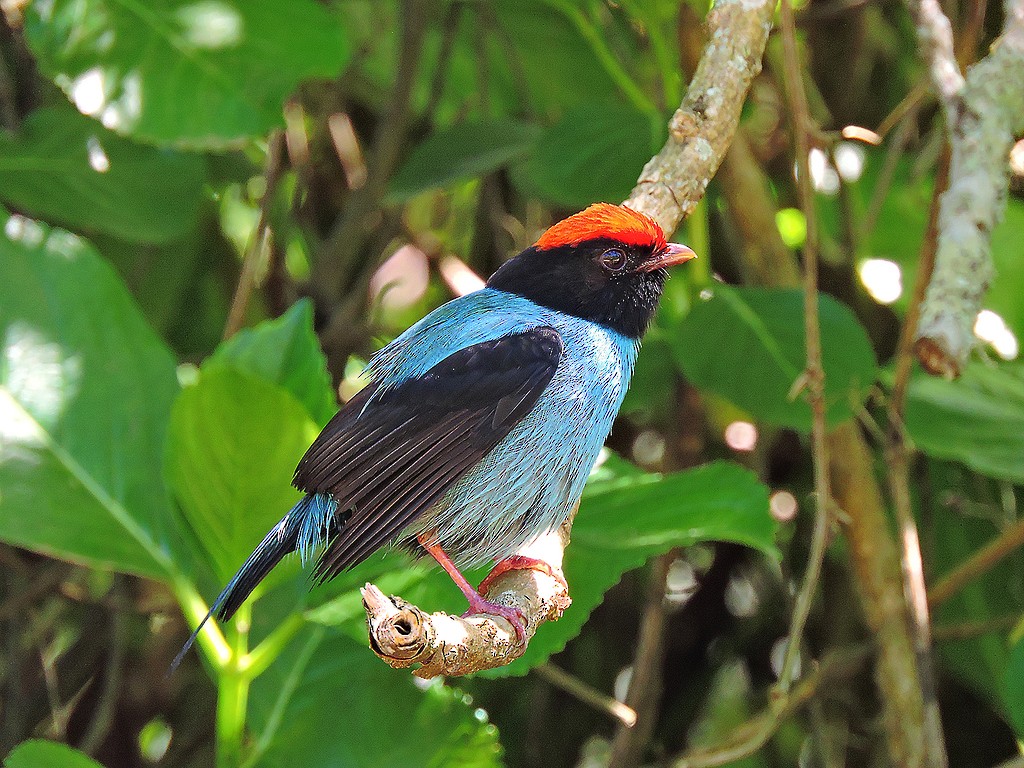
{"x": 480, "y": 424}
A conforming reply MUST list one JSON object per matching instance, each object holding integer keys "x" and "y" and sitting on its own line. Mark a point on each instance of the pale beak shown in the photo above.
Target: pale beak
{"x": 672, "y": 254}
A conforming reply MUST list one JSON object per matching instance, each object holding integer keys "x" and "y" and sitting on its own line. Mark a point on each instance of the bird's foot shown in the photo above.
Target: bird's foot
{"x": 521, "y": 563}
{"x": 477, "y": 602}
{"x": 513, "y": 616}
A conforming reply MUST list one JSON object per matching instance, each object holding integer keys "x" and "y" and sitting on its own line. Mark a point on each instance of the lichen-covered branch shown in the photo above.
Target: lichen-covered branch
{"x": 983, "y": 111}
{"x": 668, "y": 189}
{"x": 700, "y": 131}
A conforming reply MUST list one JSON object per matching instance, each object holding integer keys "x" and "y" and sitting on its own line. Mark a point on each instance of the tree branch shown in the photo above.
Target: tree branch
{"x": 898, "y": 457}
{"x": 669, "y": 188}
{"x": 983, "y": 111}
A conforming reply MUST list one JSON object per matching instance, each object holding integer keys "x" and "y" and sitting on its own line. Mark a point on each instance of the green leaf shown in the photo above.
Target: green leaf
{"x": 191, "y": 72}
{"x": 977, "y": 419}
{"x": 461, "y": 152}
{"x": 233, "y": 445}
{"x": 85, "y": 394}
{"x": 326, "y": 701}
{"x": 286, "y": 352}
{"x": 71, "y": 170}
{"x": 594, "y": 152}
{"x": 747, "y": 345}
{"x": 1013, "y": 688}
{"x": 625, "y": 518}
{"x": 39, "y": 753}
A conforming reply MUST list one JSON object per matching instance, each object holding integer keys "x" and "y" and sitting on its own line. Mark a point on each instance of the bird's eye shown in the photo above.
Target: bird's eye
{"x": 614, "y": 259}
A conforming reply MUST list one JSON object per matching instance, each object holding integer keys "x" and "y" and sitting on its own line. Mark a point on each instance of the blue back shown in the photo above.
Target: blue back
{"x": 529, "y": 483}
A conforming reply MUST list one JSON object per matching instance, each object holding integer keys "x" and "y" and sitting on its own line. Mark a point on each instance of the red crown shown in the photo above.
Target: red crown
{"x": 603, "y": 220}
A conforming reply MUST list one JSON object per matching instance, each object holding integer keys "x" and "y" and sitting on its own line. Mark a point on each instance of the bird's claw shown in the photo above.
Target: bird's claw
{"x": 520, "y": 563}
{"x": 513, "y": 616}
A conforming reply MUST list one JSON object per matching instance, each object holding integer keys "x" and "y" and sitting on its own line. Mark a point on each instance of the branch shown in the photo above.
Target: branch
{"x": 983, "y": 111}
{"x": 669, "y": 188}
{"x": 755, "y": 732}
{"x": 272, "y": 172}
{"x": 674, "y": 180}
{"x": 980, "y": 562}
{"x": 898, "y": 457}
{"x": 645, "y": 685}
{"x": 814, "y": 374}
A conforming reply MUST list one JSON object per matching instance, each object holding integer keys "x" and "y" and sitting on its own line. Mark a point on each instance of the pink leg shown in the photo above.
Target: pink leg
{"x": 477, "y": 604}
{"x": 521, "y": 563}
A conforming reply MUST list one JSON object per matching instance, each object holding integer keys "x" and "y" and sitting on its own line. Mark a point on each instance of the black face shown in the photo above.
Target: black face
{"x": 599, "y": 280}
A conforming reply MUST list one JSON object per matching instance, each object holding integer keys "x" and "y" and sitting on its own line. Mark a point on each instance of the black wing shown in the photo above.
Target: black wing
{"x": 387, "y": 457}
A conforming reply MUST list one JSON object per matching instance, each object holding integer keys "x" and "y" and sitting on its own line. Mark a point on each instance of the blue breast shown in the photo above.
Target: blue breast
{"x": 530, "y": 482}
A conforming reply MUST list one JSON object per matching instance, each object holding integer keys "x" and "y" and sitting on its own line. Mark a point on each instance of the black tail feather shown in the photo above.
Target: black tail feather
{"x": 281, "y": 541}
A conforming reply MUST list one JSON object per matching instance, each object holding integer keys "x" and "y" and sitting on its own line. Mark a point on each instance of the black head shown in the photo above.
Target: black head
{"x": 605, "y": 264}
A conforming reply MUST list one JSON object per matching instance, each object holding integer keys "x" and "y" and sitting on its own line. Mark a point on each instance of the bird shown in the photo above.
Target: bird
{"x": 479, "y": 425}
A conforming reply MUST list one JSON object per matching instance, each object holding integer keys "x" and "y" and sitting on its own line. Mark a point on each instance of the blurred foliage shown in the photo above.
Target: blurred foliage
{"x": 353, "y": 161}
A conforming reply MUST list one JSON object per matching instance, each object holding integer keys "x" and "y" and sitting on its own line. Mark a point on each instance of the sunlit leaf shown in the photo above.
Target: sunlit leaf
{"x": 594, "y": 153}
{"x": 977, "y": 419}
{"x": 71, "y": 170}
{"x": 287, "y": 352}
{"x": 195, "y": 72}
{"x": 232, "y": 449}
{"x": 85, "y": 394}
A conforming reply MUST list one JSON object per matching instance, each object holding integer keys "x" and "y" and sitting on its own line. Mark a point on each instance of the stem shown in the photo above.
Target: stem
{"x": 699, "y": 239}
{"x": 645, "y": 686}
{"x": 287, "y": 689}
{"x": 256, "y": 661}
{"x": 814, "y": 374}
{"x": 247, "y": 277}
{"x": 898, "y": 457}
{"x": 590, "y": 696}
{"x": 211, "y": 640}
{"x": 748, "y": 738}
{"x": 233, "y": 694}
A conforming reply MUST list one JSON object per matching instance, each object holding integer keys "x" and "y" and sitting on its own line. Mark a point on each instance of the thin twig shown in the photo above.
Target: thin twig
{"x": 644, "y": 690}
{"x": 888, "y": 172}
{"x": 588, "y": 695}
{"x": 944, "y": 633}
{"x": 814, "y": 373}
{"x": 925, "y": 265}
{"x": 250, "y": 262}
{"x": 103, "y": 715}
{"x": 983, "y": 111}
{"x": 755, "y": 732}
{"x": 982, "y": 561}
{"x": 897, "y": 453}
